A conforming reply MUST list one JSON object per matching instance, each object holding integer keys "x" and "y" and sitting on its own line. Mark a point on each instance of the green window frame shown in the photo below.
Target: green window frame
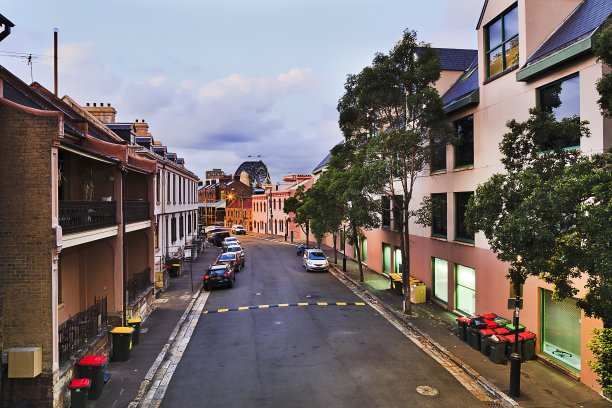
{"x": 560, "y": 330}
{"x": 364, "y": 251}
{"x": 438, "y": 222}
{"x": 465, "y": 289}
{"x": 397, "y": 260}
{"x": 562, "y": 98}
{"x": 502, "y": 42}
{"x": 461, "y": 232}
{"x": 439, "y": 270}
{"x": 386, "y": 258}
{"x": 464, "y": 150}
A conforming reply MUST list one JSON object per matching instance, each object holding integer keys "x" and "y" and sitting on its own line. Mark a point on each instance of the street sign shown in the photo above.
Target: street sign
{"x": 512, "y": 304}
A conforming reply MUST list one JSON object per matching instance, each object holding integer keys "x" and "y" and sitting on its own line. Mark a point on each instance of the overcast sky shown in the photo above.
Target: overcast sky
{"x": 220, "y": 80}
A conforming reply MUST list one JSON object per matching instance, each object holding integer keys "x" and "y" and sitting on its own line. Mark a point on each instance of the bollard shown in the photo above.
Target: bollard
{"x": 344, "y": 264}
{"x": 515, "y": 375}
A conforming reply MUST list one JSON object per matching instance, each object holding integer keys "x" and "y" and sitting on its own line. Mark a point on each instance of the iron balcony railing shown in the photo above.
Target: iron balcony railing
{"x": 137, "y": 283}
{"x": 76, "y": 216}
{"x": 136, "y": 210}
{"x": 80, "y": 328}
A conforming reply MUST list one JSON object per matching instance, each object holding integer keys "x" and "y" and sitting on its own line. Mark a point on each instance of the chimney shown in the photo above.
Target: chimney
{"x": 142, "y": 128}
{"x": 103, "y": 113}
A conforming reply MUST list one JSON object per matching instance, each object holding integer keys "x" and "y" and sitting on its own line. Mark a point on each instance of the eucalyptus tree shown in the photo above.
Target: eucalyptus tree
{"x": 394, "y": 112}
{"x": 301, "y": 216}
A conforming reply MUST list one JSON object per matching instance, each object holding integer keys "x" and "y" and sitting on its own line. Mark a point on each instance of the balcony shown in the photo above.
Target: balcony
{"x": 77, "y": 330}
{"x": 77, "y": 216}
{"x": 136, "y": 210}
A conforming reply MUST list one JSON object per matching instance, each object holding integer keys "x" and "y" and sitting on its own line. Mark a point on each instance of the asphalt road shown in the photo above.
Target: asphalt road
{"x": 302, "y": 356}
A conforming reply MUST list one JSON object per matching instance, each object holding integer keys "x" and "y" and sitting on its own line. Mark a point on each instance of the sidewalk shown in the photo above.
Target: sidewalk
{"x": 541, "y": 384}
{"x": 157, "y": 334}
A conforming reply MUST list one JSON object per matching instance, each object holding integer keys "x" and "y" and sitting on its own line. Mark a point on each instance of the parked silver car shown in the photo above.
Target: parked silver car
{"x": 315, "y": 260}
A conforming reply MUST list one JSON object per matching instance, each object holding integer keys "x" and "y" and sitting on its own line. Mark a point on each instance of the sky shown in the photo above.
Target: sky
{"x": 226, "y": 81}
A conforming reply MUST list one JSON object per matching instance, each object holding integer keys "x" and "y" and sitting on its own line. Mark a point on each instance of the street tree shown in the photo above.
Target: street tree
{"x": 301, "y": 217}
{"x": 394, "y": 112}
{"x": 347, "y": 178}
{"x": 603, "y": 51}
{"x": 325, "y": 209}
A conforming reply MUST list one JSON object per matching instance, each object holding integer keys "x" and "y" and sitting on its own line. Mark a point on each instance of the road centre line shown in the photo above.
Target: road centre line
{"x": 234, "y": 309}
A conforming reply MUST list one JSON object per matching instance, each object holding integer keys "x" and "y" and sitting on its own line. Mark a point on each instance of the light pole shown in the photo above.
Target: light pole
{"x": 344, "y": 247}
{"x": 270, "y": 210}
{"x": 515, "y": 357}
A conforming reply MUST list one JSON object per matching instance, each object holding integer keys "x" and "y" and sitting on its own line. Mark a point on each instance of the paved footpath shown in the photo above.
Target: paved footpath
{"x": 161, "y": 333}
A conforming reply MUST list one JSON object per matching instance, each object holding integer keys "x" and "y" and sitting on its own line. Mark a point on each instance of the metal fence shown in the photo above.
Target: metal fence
{"x": 78, "y": 329}
{"x": 137, "y": 283}
{"x": 75, "y": 216}
{"x": 136, "y": 210}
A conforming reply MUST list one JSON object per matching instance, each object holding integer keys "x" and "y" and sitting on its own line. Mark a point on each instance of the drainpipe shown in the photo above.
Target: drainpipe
{"x": 123, "y": 177}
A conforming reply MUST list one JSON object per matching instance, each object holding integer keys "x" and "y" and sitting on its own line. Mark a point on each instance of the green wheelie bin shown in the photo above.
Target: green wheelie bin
{"x": 79, "y": 392}
{"x": 135, "y": 323}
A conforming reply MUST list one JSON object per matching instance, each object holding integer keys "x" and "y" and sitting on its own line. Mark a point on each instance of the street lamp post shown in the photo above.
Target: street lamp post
{"x": 270, "y": 210}
{"x": 515, "y": 357}
{"x": 344, "y": 248}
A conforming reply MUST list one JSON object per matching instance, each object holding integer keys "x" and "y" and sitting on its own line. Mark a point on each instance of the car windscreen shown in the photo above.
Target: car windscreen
{"x": 215, "y": 271}
{"x": 231, "y": 239}
{"x": 316, "y": 255}
{"x": 228, "y": 257}
{"x": 234, "y": 249}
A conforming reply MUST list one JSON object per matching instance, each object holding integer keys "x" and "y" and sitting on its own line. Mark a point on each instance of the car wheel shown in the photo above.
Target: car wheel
{"x": 231, "y": 283}
{"x": 206, "y": 288}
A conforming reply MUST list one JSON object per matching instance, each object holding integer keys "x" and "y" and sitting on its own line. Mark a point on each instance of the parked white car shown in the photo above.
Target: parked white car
{"x": 238, "y": 229}
{"x": 315, "y": 260}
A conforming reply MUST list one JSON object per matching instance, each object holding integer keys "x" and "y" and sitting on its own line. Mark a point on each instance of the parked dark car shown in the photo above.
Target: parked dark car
{"x": 218, "y": 237}
{"x": 219, "y": 275}
{"x": 232, "y": 258}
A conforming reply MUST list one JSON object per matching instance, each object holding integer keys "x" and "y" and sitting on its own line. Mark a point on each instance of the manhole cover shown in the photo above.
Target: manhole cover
{"x": 427, "y": 390}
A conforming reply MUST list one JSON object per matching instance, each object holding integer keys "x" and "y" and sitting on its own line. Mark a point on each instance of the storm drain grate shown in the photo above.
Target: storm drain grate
{"x": 493, "y": 404}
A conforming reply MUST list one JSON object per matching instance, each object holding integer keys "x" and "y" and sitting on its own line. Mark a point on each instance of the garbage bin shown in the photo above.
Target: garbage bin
{"x": 122, "y": 343}
{"x": 92, "y": 367}
{"x": 490, "y": 324}
{"x": 510, "y": 345}
{"x": 135, "y": 323}
{"x": 501, "y": 322}
{"x": 173, "y": 266}
{"x": 498, "y": 349}
{"x": 485, "y": 341}
{"x": 490, "y": 316}
{"x": 79, "y": 392}
{"x": 501, "y": 330}
{"x": 528, "y": 341}
{"x": 462, "y": 323}
{"x": 473, "y": 337}
{"x": 511, "y": 327}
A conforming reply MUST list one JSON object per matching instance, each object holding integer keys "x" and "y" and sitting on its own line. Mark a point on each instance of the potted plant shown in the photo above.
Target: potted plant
{"x": 88, "y": 184}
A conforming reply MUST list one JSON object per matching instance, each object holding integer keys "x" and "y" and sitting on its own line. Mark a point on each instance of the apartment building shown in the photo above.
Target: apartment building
{"x": 530, "y": 53}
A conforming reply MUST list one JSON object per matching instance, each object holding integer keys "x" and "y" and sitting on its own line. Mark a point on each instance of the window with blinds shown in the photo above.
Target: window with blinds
{"x": 561, "y": 330}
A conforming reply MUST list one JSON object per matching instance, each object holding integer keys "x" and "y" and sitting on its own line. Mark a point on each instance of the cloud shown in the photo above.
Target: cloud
{"x": 217, "y": 123}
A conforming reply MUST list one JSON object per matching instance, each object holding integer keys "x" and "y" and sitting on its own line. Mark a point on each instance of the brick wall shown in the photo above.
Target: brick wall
{"x": 27, "y": 240}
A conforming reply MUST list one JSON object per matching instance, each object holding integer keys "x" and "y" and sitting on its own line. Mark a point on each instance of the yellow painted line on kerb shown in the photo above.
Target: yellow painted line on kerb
{"x": 233, "y": 309}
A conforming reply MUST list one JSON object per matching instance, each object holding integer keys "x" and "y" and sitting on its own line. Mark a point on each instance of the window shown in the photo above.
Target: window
{"x": 364, "y": 251}
{"x": 179, "y": 190}
{"x": 461, "y": 232}
{"x": 438, "y": 223}
{"x": 465, "y": 289}
{"x": 397, "y": 258}
{"x": 398, "y": 204}
{"x": 502, "y": 42}
{"x": 386, "y": 254}
{"x": 156, "y": 235}
{"x": 181, "y": 227}
{"x": 562, "y": 98}
{"x": 464, "y": 150}
{"x": 438, "y": 157}
{"x": 174, "y": 188}
{"x": 386, "y": 212}
{"x": 168, "y": 188}
{"x": 561, "y": 330}
{"x": 173, "y": 229}
{"x": 439, "y": 268}
{"x": 157, "y": 183}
